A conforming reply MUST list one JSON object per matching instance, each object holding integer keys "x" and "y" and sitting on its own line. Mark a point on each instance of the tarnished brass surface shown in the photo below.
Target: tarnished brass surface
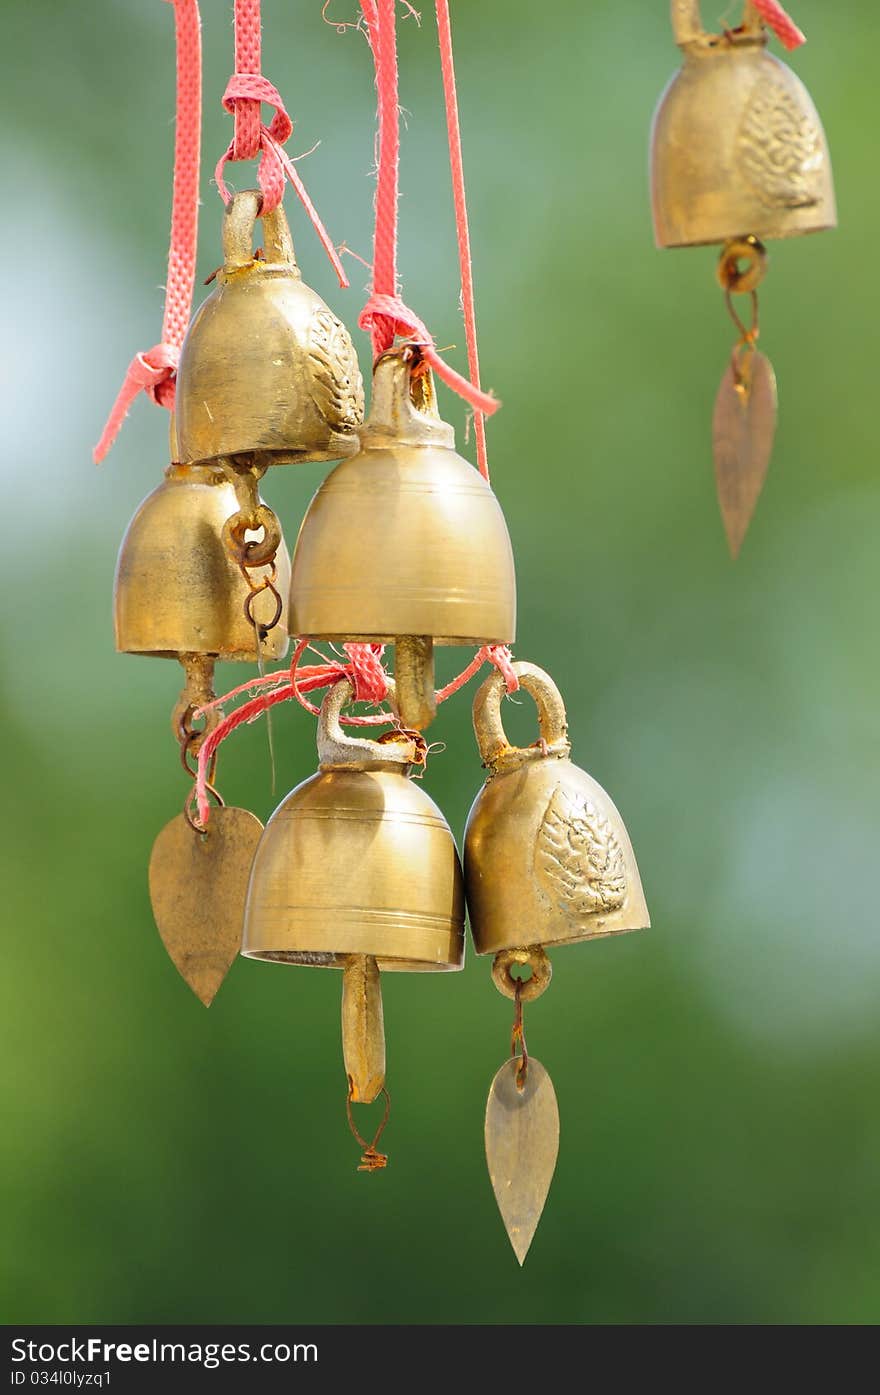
{"x": 177, "y": 588}
{"x": 737, "y": 146}
{"x": 363, "y": 1028}
{"x": 358, "y": 860}
{"x": 743, "y": 430}
{"x": 197, "y": 888}
{"x": 522, "y": 1145}
{"x": 406, "y": 538}
{"x": 547, "y": 858}
{"x": 267, "y": 371}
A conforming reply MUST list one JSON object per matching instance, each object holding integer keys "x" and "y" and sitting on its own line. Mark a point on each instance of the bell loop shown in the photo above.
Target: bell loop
{"x": 533, "y": 958}
{"x": 336, "y": 749}
{"x": 496, "y": 751}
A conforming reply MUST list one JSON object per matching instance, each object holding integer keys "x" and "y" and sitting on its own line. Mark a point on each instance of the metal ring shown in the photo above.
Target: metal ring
{"x": 742, "y": 249}
{"x": 257, "y": 552}
{"x": 536, "y": 959}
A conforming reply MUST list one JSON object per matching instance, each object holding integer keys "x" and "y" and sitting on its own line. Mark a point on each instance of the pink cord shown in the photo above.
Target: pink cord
{"x": 245, "y": 91}
{"x": 782, "y": 24}
{"x": 154, "y": 372}
{"x": 453, "y": 130}
{"x": 385, "y": 314}
{"x": 370, "y": 684}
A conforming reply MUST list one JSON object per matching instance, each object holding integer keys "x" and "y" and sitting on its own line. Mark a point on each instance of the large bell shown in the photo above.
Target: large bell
{"x": 547, "y": 859}
{"x": 737, "y": 147}
{"x": 357, "y": 861}
{"x": 267, "y": 372}
{"x": 178, "y": 589}
{"x": 405, "y": 543}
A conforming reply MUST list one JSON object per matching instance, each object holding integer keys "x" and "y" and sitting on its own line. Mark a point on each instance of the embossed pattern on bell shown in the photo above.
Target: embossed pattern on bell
{"x": 547, "y": 858}
{"x": 178, "y": 588}
{"x": 737, "y": 146}
{"x": 267, "y": 372}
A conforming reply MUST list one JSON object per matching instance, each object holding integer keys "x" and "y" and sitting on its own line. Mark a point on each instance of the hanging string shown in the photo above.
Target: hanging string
{"x": 453, "y": 130}
{"x": 782, "y": 24}
{"x": 245, "y": 91}
{"x": 154, "y": 371}
{"x": 365, "y": 671}
{"x": 385, "y": 315}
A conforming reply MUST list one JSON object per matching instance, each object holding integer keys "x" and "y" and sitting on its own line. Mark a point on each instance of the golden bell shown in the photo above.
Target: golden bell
{"x": 405, "y": 543}
{"x": 267, "y": 371}
{"x": 178, "y": 589}
{"x": 547, "y": 859}
{"x": 357, "y": 861}
{"x": 737, "y": 147}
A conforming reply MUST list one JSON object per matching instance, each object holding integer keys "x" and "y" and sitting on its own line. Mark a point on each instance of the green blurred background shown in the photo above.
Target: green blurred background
{"x": 718, "y": 1076}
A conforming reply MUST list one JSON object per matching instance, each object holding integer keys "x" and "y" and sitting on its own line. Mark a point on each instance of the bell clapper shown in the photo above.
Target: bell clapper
{"x": 414, "y": 678}
{"x": 744, "y": 422}
{"x": 363, "y": 1028}
{"x": 522, "y": 1116}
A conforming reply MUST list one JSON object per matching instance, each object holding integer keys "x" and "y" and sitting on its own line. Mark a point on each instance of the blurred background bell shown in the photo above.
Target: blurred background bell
{"x": 405, "y": 543}
{"x": 267, "y": 371}
{"x": 737, "y": 147}
{"x": 547, "y": 858}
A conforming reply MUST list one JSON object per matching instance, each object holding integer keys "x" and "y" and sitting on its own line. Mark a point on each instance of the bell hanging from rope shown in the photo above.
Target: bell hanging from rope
{"x": 405, "y": 543}
{"x": 268, "y": 375}
{"x": 737, "y": 147}
{"x": 738, "y": 157}
{"x": 547, "y": 861}
{"x": 181, "y": 584}
{"x": 357, "y": 869}
{"x": 202, "y": 575}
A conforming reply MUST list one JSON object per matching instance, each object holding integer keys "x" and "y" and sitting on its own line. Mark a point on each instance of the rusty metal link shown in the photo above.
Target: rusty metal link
{"x": 255, "y": 554}
{"x": 190, "y": 731}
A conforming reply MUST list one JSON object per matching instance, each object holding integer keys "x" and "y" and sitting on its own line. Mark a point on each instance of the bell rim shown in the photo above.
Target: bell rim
{"x": 565, "y": 940}
{"x": 307, "y": 959}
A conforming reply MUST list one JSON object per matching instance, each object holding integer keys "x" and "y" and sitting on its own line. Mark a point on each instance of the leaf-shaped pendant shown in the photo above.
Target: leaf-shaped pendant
{"x": 198, "y": 886}
{"x": 522, "y": 1144}
{"x": 743, "y": 429}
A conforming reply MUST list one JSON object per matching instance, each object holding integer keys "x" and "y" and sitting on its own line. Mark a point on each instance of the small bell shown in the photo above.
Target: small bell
{"x": 405, "y": 543}
{"x": 267, "y": 372}
{"x": 179, "y": 588}
{"x": 737, "y": 147}
{"x": 547, "y": 858}
{"x": 357, "y": 869}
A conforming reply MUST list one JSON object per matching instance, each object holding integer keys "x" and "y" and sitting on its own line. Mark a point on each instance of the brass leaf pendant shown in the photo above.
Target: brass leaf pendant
{"x": 743, "y": 429}
{"x": 522, "y": 1145}
{"x": 198, "y": 886}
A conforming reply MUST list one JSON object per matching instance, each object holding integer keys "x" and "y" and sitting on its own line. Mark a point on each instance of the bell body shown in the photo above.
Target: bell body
{"x": 547, "y": 859}
{"x": 267, "y": 371}
{"x": 405, "y": 538}
{"x": 358, "y": 860}
{"x": 177, "y": 588}
{"x": 737, "y": 146}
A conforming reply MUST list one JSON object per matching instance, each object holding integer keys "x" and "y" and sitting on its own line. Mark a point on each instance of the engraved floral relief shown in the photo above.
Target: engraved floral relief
{"x": 337, "y": 385}
{"x": 578, "y": 859}
{"x": 781, "y": 147}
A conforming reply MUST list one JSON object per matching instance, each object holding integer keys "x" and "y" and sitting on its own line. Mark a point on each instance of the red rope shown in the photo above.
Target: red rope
{"x": 154, "y": 371}
{"x": 245, "y": 91}
{"x": 781, "y": 23}
{"x": 456, "y": 161}
{"x": 385, "y": 314}
{"x": 364, "y": 669}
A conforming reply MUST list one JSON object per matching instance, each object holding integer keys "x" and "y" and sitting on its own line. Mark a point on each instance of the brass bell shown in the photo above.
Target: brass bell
{"x": 178, "y": 589}
{"x": 357, "y": 869}
{"x": 547, "y": 859}
{"x": 737, "y": 147}
{"x": 405, "y": 543}
{"x": 267, "y": 371}
{"x": 357, "y": 860}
